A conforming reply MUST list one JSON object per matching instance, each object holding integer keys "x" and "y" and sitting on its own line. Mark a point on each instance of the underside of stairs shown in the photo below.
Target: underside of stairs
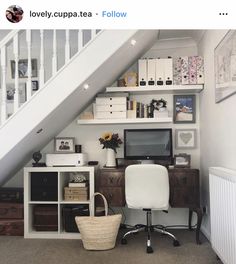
{"x": 63, "y": 96}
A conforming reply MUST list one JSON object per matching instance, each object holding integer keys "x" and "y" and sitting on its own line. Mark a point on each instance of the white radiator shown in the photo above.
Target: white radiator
{"x": 223, "y": 213}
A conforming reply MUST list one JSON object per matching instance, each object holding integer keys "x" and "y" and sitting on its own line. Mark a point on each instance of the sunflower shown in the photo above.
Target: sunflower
{"x": 109, "y": 140}
{"x": 107, "y": 136}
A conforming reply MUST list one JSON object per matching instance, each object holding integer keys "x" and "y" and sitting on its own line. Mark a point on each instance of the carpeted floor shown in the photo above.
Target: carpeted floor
{"x": 17, "y": 250}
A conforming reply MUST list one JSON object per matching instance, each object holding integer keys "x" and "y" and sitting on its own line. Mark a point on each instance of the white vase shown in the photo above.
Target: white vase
{"x": 111, "y": 158}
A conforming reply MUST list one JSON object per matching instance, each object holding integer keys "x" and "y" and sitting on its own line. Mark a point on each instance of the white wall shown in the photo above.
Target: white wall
{"x": 88, "y": 136}
{"x": 218, "y": 122}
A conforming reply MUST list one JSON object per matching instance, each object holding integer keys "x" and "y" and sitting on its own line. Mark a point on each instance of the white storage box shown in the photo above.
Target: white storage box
{"x": 110, "y": 115}
{"x": 110, "y": 107}
{"x": 110, "y": 100}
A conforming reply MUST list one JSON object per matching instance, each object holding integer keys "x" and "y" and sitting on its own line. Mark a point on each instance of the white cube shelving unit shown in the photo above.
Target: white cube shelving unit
{"x": 63, "y": 174}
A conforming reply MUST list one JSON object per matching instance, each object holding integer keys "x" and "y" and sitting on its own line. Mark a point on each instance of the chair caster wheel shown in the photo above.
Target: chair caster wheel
{"x": 149, "y": 250}
{"x": 123, "y": 241}
{"x": 176, "y": 243}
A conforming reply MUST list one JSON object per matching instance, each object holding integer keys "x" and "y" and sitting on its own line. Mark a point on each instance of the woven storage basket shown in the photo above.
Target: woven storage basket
{"x": 99, "y": 233}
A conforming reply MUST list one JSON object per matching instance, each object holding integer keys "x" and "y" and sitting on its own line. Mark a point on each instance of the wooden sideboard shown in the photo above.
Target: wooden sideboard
{"x": 184, "y": 190}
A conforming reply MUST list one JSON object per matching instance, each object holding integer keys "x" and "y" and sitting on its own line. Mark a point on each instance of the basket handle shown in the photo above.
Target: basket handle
{"x": 104, "y": 200}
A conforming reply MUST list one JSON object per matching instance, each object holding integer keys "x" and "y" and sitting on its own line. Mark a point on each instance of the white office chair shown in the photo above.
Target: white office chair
{"x": 147, "y": 188}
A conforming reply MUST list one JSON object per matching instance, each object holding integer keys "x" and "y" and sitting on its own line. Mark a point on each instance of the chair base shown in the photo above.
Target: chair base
{"x": 149, "y": 228}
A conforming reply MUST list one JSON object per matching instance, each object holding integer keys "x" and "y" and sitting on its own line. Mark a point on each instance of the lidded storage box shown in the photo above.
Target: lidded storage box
{"x": 11, "y": 211}
{"x": 76, "y": 193}
{"x": 11, "y": 195}
{"x": 70, "y": 212}
{"x": 44, "y": 186}
{"x": 45, "y": 218}
{"x": 110, "y": 107}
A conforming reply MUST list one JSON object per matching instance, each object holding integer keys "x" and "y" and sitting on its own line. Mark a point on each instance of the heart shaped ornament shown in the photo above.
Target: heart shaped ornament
{"x": 186, "y": 137}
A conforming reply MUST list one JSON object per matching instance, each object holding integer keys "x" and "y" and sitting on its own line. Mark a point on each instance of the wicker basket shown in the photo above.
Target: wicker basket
{"x": 99, "y": 233}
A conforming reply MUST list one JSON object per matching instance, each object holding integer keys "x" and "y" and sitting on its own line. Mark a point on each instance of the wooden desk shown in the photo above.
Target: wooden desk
{"x": 184, "y": 190}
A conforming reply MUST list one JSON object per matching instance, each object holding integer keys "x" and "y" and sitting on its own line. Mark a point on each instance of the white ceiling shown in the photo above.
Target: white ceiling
{"x": 196, "y": 35}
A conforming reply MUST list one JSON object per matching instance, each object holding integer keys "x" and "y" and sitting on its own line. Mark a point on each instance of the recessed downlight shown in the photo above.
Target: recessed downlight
{"x": 133, "y": 42}
{"x": 86, "y": 86}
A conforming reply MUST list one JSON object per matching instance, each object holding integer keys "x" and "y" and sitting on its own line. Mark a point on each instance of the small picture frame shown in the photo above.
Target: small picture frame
{"x": 35, "y": 85}
{"x": 182, "y": 160}
{"x": 11, "y": 93}
{"x": 64, "y": 145}
{"x": 131, "y": 79}
{"x": 23, "y": 68}
{"x": 184, "y": 109}
{"x": 185, "y": 138}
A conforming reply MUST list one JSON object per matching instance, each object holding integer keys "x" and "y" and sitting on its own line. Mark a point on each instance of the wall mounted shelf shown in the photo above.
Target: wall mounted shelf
{"x": 124, "y": 121}
{"x": 164, "y": 89}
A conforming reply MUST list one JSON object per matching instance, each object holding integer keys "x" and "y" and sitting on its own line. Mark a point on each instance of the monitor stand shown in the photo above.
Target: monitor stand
{"x": 147, "y": 162}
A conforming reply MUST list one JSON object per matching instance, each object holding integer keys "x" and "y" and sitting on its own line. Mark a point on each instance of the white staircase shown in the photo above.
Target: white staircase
{"x": 67, "y": 59}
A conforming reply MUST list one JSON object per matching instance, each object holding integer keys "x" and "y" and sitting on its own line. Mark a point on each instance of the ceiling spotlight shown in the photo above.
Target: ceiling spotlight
{"x": 133, "y": 42}
{"x": 86, "y": 86}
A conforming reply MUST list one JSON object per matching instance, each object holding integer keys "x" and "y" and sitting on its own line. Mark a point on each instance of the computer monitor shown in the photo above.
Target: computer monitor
{"x": 148, "y": 144}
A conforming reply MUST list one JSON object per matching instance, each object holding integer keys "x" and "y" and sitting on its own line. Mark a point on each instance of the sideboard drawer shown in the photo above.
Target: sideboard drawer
{"x": 184, "y": 177}
{"x": 114, "y": 178}
{"x": 115, "y": 195}
{"x": 184, "y": 197}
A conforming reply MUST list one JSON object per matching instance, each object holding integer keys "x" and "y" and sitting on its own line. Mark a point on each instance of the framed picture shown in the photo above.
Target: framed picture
{"x": 185, "y": 138}
{"x": 11, "y": 93}
{"x": 182, "y": 160}
{"x": 225, "y": 67}
{"x": 131, "y": 79}
{"x": 184, "y": 109}
{"x": 23, "y": 68}
{"x": 35, "y": 85}
{"x": 64, "y": 145}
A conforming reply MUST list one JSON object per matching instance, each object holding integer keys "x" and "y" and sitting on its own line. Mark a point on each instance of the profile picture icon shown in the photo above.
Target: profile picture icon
{"x": 14, "y": 13}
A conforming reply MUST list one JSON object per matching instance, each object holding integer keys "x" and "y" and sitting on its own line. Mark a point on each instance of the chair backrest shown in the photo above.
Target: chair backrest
{"x": 147, "y": 187}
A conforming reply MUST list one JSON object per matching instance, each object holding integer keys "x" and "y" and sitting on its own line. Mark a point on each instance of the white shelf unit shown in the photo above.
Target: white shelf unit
{"x": 63, "y": 174}
{"x": 124, "y": 121}
{"x": 161, "y": 89}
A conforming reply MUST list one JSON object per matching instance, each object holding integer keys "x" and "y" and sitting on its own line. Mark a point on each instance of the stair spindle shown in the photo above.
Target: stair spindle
{"x": 29, "y": 80}
{"x": 16, "y": 56}
{"x": 67, "y": 46}
{"x": 41, "y": 71}
{"x": 54, "y": 54}
{"x": 93, "y": 33}
{"x": 4, "y": 88}
{"x": 80, "y": 40}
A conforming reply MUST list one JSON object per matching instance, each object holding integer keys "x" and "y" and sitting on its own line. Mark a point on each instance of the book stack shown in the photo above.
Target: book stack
{"x": 137, "y": 109}
{"x": 77, "y": 191}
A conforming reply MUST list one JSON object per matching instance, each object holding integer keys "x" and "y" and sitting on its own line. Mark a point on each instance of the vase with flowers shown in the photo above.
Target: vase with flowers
{"x": 110, "y": 142}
